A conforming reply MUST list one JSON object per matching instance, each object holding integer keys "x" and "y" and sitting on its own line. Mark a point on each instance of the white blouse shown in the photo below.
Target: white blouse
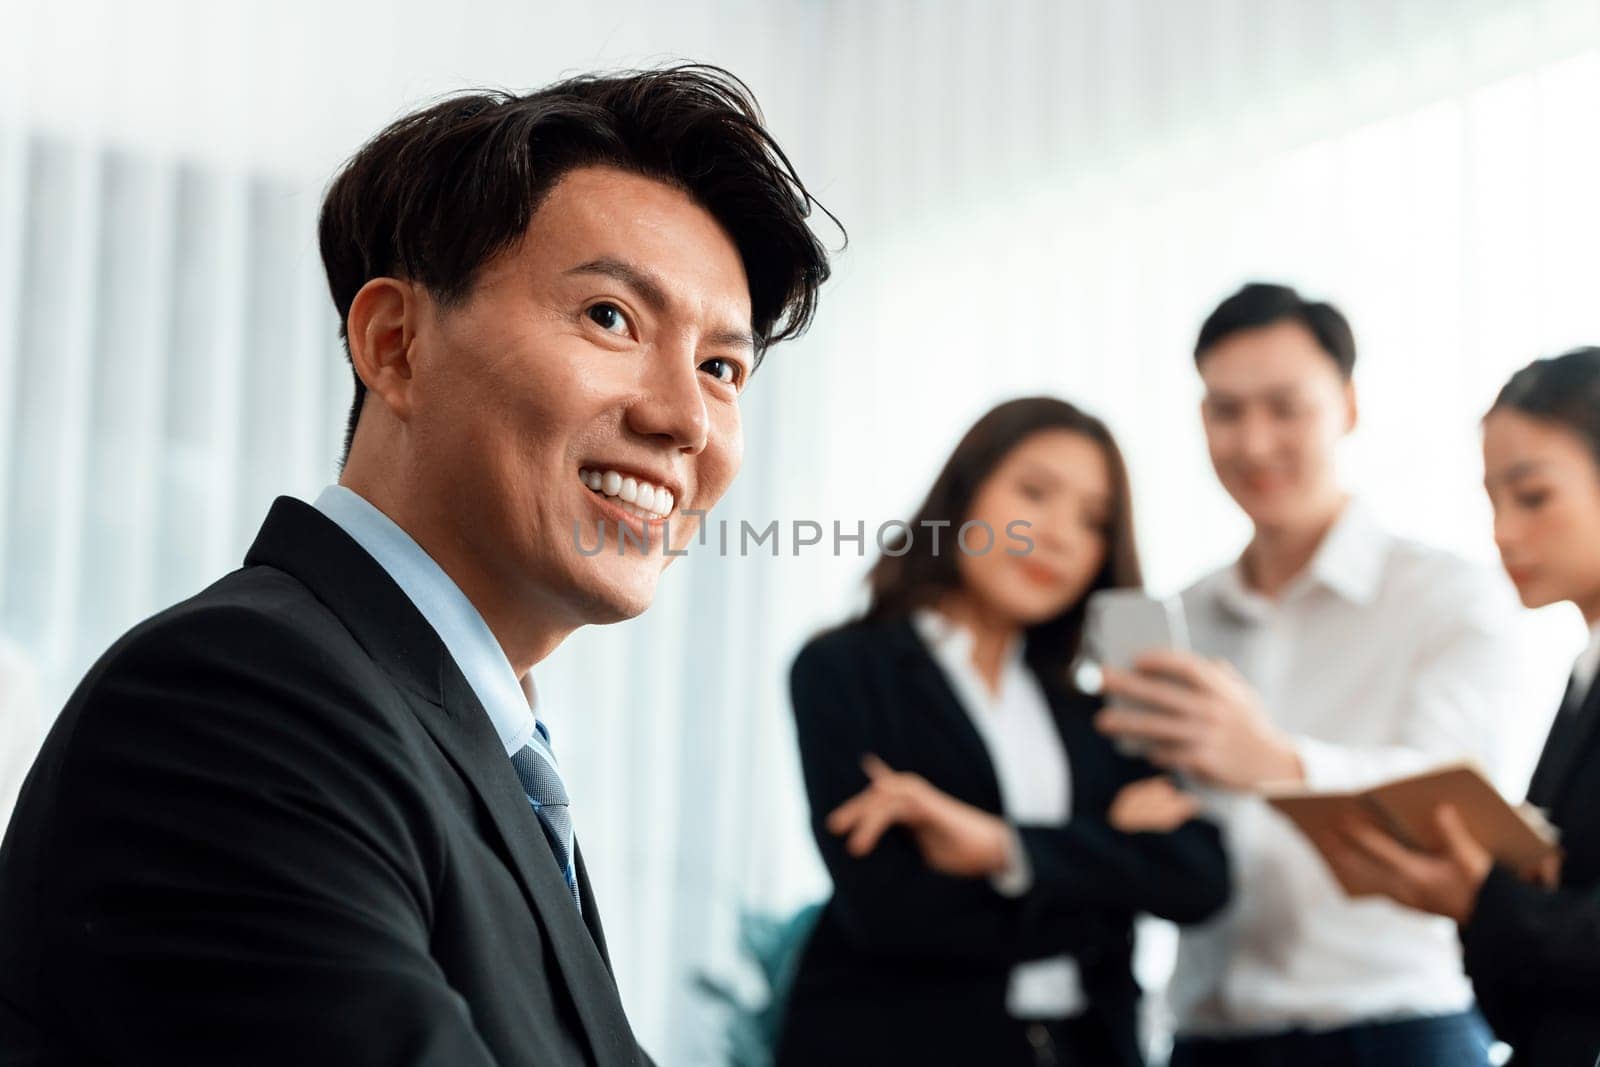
{"x": 1030, "y": 763}
{"x": 1583, "y": 671}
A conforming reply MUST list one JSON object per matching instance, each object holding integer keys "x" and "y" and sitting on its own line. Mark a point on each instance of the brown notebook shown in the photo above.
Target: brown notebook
{"x": 1518, "y": 837}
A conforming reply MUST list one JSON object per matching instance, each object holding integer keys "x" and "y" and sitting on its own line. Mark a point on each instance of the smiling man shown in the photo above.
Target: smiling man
{"x": 311, "y": 814}
{"x": 1334, "y": 653}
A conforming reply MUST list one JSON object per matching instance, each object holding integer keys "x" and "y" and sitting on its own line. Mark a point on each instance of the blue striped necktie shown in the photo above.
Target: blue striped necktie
{"x": 541, "y": 783}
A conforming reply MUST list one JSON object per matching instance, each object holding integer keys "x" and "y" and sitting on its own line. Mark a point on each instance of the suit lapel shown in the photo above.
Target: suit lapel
{"x": 1541, "y": 787}
{"x": 1073, "y": 714}
{"x": 300, "y": 540}
{"x": 1570, "y": 737}
{"x": 591, "y": 910}
{"x": 468, "y": 737}
{"x": 931, "y": 693}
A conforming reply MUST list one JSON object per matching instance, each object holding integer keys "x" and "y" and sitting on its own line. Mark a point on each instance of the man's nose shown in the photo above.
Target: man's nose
{"x": 671, "y": 404}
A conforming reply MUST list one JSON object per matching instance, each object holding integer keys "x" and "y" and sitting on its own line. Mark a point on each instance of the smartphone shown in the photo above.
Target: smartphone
{"x": 1120, "y": 625}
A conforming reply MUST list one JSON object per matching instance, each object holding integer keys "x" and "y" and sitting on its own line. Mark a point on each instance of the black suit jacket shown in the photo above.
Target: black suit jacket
{"x": 909, "y": 966}
{"x": 1534, "y": 955}
{"x": 274, "y": 826}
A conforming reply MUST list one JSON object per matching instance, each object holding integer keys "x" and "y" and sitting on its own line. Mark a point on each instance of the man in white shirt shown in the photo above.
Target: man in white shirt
{"x": 1331, "y": 653}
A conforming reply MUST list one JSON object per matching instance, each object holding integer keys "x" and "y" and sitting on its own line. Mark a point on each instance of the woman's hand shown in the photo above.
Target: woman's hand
{"x": 954, "y": 837}
{"x": 1546, "y": 874}
{"x": 1369, "y": 861}
{"x": 1152, "y": 805}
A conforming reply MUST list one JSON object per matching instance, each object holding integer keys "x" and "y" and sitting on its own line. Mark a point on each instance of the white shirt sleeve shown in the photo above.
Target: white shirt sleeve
{"x": 1017, "y": 878}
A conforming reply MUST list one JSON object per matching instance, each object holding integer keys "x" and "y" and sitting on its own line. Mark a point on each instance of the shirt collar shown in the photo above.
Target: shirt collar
{"x": 1351, "y": 557}
{"x": 1588, "y": 664}
{"x": 1349, "y": 562}
{"x": 950, "y": 638}
{"x": 508, "y": 700}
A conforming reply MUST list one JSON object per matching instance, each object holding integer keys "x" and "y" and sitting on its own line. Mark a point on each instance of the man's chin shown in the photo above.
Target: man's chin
{"x": 610, "y": 602}
{"x": 1270, "y": 508}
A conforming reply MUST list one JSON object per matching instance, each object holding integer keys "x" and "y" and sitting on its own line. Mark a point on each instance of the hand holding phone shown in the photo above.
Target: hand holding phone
{"x": 1120, "y": 625}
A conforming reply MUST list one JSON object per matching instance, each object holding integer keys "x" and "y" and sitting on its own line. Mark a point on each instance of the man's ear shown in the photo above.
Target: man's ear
{"x": 380, "y": 328}
{"x": 1352, "y": 410}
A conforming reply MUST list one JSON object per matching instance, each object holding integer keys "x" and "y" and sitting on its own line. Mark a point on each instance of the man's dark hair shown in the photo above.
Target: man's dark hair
{"x": 1261, "y": 304}
{"x": 1563, "y": 390}
{"x": 440, "y": 192}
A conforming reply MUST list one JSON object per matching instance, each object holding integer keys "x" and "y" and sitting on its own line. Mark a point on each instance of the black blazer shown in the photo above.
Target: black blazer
{"x": 274, "y": 826}
{"x": 909, "y": 966}
{"x": 1534, "y": 955}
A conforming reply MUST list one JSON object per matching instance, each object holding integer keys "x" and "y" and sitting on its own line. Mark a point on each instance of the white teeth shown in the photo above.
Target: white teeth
{"x": 630, "y": 494}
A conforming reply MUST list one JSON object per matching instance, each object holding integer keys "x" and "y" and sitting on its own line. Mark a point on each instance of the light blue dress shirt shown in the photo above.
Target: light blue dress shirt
{"x": 470, "y": 642}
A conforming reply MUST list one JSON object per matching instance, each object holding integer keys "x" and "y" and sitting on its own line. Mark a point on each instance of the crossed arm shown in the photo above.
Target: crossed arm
{"x": 912, "y": 866}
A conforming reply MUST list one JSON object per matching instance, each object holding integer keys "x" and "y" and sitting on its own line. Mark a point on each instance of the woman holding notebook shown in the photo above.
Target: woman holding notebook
{"x": 1532, "y": 937}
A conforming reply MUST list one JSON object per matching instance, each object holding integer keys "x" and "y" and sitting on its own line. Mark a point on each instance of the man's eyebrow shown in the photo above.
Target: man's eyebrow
{"x": 732, "y": 338}
{"x": 1270, "y": 393}
{"x": 641, "y": 281}
{"x": 652, "y": 292}
{"x": 1518, "y": 471}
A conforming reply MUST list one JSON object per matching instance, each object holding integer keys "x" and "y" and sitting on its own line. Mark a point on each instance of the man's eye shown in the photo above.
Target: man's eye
{"x": 608, "y": 317}
{"x": 723, "y": 370}
{"x": 1532, "y": 501}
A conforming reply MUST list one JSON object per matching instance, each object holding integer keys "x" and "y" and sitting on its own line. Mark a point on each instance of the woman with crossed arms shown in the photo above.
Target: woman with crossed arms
{"x": 989, "y": 848}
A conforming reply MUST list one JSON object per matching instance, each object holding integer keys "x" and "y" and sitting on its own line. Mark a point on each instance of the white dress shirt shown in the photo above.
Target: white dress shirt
{"x": 1584, "y": 670}
{"x": 1381, "y": 658}
{"x": 1030, "y": 763}
{"x": 509, "y": 701}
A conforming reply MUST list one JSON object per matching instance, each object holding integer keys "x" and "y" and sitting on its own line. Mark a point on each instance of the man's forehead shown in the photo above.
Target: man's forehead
{"x": 625, "y": 215}
{"x": 605, "y": 221}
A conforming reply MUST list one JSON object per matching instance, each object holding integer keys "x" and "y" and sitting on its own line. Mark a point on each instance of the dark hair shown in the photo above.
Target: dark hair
{"x": 1563, "y": 389}
{"x": 440, "y": 192}
{"x": 900, "y": 584}
{"x": 1261, "y": 304}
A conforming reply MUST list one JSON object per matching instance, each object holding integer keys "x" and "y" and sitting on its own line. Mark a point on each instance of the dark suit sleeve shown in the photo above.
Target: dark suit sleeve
{"x": 240, "y": 873}
{"x": 889, "y": 901}
{"x": 1181, "y": 876}
{"x": 1524, "y": 942}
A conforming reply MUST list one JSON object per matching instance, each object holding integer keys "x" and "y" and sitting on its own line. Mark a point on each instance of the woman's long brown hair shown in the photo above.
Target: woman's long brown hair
{"x": 901, "y": 584}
